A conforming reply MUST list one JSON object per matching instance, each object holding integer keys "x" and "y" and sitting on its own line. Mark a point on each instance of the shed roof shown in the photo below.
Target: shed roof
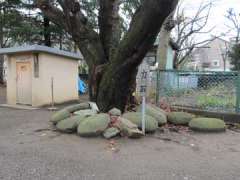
{"x": 39, "y": 48}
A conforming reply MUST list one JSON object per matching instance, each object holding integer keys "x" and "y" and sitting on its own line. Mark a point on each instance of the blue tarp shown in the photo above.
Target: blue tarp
{"x": 81, "y": 86}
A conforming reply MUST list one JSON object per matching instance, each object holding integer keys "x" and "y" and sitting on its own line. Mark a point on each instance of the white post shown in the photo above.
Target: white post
{"x": 52, "y": 81}
{"x": 52, "y": 108}
{"x": 143, "y": 88}
{"x": 143, "y": 113}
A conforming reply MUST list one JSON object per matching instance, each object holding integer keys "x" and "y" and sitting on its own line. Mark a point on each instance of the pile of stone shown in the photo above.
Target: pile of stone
{"x": 85, "y": 120}
{"x": 201, "y": 124}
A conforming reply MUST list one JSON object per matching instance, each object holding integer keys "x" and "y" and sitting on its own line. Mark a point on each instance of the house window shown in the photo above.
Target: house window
{"x": 216, "y": 63}
{"x": 205, "y": 65}
{"x": 36, "y": 66}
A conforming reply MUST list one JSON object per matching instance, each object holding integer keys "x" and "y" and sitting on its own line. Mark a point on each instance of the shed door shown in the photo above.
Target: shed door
{"x": 24, "y": 83}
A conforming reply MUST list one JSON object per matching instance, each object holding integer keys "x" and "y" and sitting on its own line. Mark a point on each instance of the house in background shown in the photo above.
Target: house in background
{"x": 150, "y": 64}
{"x": 212, "y": 57}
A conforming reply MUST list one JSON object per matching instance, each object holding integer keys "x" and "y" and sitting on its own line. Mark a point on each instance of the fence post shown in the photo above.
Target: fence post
{"x": 177, "y": 80}
{"x": 238, "y": 93}
{"x": 157, "y": 86}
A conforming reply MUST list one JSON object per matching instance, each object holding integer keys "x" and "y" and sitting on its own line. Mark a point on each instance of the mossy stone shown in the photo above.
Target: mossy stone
{"x": 128, "y": 128}
{"x": 207, "y": 124}
{"x": 69, "y": 125}
{"x": 77, "y": 107}
{"x": 179, "y": 118}
{"x": 136, "y": 118}
{"x": 155, "y": 112}
{"x": 93, "y": 125}
{"x": 85, "y": 112}
{"x": 115, "y": 112}
{"x": 111, "y": 132}
{"x": 59, "y": 116}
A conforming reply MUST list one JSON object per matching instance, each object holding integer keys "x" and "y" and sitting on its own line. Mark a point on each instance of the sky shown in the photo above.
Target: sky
{"x": 217, "y": 13}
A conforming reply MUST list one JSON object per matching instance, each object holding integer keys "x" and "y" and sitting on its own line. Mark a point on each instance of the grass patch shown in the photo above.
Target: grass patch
{"x": 214, "y": 101}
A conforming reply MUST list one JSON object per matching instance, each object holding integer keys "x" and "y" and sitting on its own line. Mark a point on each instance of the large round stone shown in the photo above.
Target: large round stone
{"x": 207, "y": 124}
{"x": 93, "y": 125}
{"x": 180, "y": 118}
{"x": 155, "y": 112}
{"x": 59, "y": 116}
{"x": 136, "y": 118}
{"x": 69, "y": 125}
{"x": 128, "y": 128}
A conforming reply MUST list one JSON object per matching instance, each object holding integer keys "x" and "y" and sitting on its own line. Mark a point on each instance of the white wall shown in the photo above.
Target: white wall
{"x": 64, "y": 72}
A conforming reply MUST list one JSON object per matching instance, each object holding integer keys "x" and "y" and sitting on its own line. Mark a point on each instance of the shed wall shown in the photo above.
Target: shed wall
{"x": 64, "y": 72}
{"x": 12, "y": 74}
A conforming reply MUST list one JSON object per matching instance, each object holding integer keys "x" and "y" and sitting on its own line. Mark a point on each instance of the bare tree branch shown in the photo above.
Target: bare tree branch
{"x": 186, "y": 30}
{"x": 71, "y": 18}
{"x": 145, "y": 30}
{"x": 234, "y": 19}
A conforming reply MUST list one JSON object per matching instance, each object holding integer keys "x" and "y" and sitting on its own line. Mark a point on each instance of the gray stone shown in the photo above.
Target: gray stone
{"x": 128, "y": 128}
{"x": 111, "y": 132}
{"x": 77, "y": 107}
{"x": 207, "y": 124}
{"x": 70, "y": 125}
{"x": 136, "y": 118}
{"x": 155, "y": 112}
{"x": 115, "y": 112}
{"x": 59, "y": 116}
{"x": 180, "y": 118}
{"x": 86, "y": 112}
{"x": 94, "y": 125}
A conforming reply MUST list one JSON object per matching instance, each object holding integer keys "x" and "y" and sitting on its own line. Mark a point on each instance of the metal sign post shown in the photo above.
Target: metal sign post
{"x": 143, "y": 90}
{"x": 52, "y": 108}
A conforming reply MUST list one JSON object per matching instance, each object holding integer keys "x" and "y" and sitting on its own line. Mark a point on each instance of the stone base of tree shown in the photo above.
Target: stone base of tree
{"x": 85, "y": 120}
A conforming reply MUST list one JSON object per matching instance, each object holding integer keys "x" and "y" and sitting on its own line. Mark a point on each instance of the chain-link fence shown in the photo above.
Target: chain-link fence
{"x": 211, "y": 91}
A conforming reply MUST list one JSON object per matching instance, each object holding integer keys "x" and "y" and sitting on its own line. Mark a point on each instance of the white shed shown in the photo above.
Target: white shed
{"x": 37, "y": 74}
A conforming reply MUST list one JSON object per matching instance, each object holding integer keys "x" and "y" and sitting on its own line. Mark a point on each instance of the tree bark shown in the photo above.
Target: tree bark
{"x": 115, "y": 86}
{"x": 109, "y": 25}
{"x": 112, "y": 63}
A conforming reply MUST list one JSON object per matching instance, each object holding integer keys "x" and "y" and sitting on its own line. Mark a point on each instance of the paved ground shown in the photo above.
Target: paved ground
{"x": 2, "y": 94}
{"x": 29, "y": 151}
{"x": 26, "y": 153}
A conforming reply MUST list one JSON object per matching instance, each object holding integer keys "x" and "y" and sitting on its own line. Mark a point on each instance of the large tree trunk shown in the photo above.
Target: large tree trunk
{"x": 115, "y": 88}
{"x": 112, "y": 62}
